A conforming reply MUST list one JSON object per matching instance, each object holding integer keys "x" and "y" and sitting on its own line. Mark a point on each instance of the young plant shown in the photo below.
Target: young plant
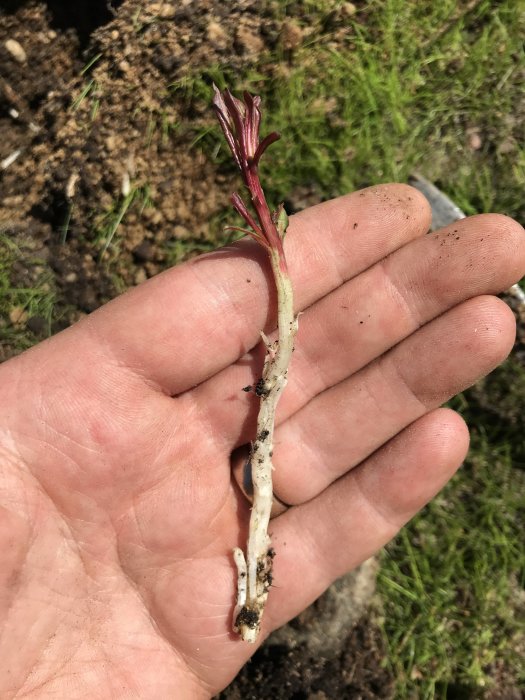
{"x": 240, "y": 122}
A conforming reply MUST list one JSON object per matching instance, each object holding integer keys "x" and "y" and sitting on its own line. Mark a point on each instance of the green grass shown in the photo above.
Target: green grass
{"x": 89, "y": 90}
{"x": 451, "y": 583}
{"x": 109, "y": 222}
{"x": 35, "y": 300}
{"x": 400, "y": 95}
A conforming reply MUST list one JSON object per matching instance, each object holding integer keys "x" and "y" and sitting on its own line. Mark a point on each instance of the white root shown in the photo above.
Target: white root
{"x": 255, "y": 571}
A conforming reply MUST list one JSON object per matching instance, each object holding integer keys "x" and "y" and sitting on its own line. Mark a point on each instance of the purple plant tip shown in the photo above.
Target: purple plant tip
{"x": 240, "y": 121}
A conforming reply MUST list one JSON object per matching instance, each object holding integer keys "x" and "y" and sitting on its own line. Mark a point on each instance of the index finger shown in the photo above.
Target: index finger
{"x": 190, "y": 322}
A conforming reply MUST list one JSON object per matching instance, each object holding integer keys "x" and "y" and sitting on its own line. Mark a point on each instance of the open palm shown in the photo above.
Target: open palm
{"x": 118, "y": 510}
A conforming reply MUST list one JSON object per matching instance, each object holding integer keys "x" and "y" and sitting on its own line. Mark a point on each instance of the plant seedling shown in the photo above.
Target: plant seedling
{"x": 240, "y": 122}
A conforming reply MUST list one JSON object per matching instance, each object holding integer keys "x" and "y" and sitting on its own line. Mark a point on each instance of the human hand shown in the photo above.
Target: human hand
{"x": 118, "y": 510}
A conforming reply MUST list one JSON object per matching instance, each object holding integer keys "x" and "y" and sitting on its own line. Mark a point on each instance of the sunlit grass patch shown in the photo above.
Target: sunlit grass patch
{"x": 415, "y": 86}
{"x": 453, "y": 583}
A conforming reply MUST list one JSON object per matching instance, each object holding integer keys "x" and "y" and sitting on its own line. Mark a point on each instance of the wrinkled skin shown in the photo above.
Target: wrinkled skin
{"x": 118, "y": 511}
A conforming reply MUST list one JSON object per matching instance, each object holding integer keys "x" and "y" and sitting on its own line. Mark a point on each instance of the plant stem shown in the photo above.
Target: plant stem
{"x": 254, "y": 573}
{"x": 240, "y": 123}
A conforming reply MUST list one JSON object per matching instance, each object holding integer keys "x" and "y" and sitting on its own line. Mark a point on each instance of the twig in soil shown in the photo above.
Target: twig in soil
{"x": 240, "y": 122}
{"x": 10, "y": 159}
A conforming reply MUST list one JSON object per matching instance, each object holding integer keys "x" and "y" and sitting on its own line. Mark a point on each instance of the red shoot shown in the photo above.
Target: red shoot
{"x": 240, "y": 122}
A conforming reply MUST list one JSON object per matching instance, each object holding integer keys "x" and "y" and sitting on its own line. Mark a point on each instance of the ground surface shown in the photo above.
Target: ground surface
{"x": 120, "y": 173}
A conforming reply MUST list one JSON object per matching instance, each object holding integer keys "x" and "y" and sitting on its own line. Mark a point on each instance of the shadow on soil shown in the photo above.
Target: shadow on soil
{"x": 84, "y": 16}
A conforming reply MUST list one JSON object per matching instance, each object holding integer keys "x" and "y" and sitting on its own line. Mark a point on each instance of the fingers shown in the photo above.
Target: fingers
{"x": 371, "y": 313}
{"x": 322, "y": 539}
{"x": 343, "y": 425}
{"x": 190, "y": 322}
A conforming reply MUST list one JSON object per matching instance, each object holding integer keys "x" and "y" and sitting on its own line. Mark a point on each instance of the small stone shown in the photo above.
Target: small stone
{"x": 249, "y": 41}
{"x": 16, "y": 50}
{"x": 114, "y": 35}
{"x": 202, "y": 209}
{"x": 348, "y": 9}
{"x": 71, "y": 277}
{"x": 152, "y": 215}
{"x": 291, "y": 35}
{"x": 18, "y": 316}
{"x": 144, "y": 252}
{"x": 14, "y": 201}
{"x": 42, "y": 37}
{"x": 124, "y": 66}
{"x": 216, "y": 35}
{"x": 140, "y": 276}
{"x": 474, "y": 139}
{"x": 181, "y": 232}
{"x": 166, "y": 63}
{"x": 87, "y": 300}
{"x": 507, "y": 146}
{"x": 37, "y": 325}
{"x": 183, "y": 211}
{"x": 165, "y": 10}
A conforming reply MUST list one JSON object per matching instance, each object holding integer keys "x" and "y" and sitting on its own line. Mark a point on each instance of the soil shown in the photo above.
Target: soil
{"x": 284, "y": 673}
{"x": 100, "y": 112}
